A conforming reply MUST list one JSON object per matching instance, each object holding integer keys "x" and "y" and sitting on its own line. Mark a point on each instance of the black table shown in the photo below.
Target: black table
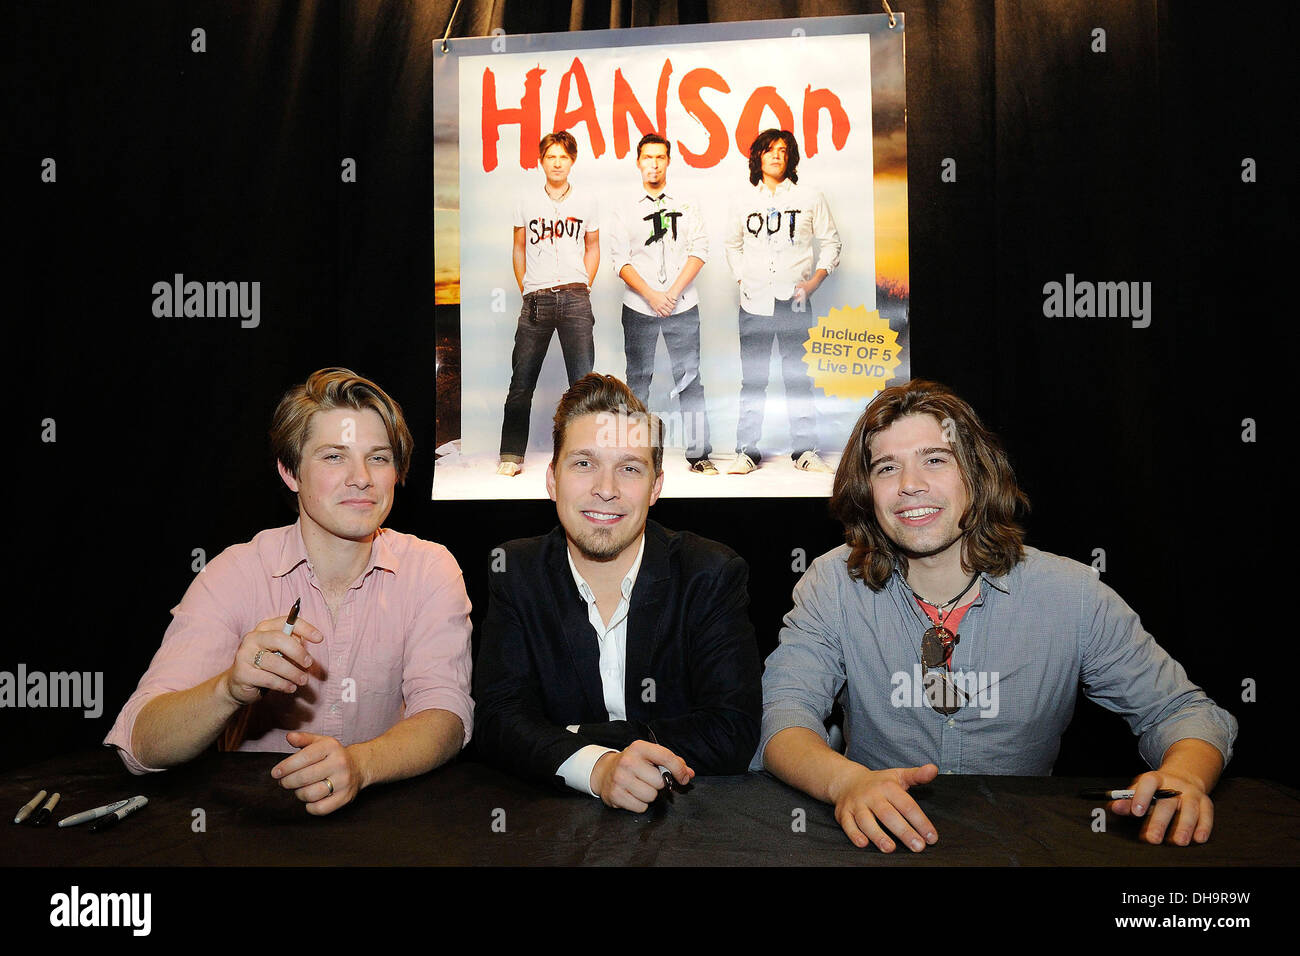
{"x": 225, "y": 810}
{"x": 222, "y": 849}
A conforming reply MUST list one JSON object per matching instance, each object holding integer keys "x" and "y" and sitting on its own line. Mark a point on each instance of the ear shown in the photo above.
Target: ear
{"x": 287, "y": 476}
{"x": 657, "y": 487}
{"x": 550, "y": 480}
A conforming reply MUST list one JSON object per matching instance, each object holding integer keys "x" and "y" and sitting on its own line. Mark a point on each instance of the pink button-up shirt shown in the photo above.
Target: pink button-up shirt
{"x": 400, "y": 645}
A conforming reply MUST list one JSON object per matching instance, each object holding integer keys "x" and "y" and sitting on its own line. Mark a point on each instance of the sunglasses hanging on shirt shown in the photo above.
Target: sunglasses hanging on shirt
{"x": 937, "y": 643}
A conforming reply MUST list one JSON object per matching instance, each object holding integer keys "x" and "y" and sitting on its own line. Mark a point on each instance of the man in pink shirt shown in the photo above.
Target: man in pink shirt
{"x": 370, "y": 682}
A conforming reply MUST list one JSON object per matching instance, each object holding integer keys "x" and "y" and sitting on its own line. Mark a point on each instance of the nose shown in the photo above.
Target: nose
{"x": 359, "y": 474}
{"x": 912, "y": 481}
{"x": 605, "y": 486}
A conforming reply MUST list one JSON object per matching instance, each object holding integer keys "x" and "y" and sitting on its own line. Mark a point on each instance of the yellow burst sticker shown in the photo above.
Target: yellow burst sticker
{"x": 851, "y": 353}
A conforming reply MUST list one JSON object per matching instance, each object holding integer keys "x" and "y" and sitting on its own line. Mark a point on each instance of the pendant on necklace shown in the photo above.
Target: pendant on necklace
{"x": 936, "y": 646}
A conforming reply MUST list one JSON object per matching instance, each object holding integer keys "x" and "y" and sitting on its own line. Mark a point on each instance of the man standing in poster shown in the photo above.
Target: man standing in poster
{"x": 657, "y": 247}
{"x": 556, "y": 254}
{"x": 770, "y": 253}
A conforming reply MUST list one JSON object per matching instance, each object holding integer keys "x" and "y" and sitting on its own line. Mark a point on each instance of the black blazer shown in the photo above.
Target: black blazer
{"x": 688, "y": 631}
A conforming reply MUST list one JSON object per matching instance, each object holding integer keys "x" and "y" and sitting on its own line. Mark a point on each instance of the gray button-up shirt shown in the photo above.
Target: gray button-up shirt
{"x": 1028, "y": 642}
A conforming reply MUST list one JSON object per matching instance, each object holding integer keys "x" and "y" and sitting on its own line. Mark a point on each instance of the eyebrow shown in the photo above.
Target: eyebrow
{"x": 589, "y": 453}
{"x": 921, "y": 452}
{"x": 373, "y": 448}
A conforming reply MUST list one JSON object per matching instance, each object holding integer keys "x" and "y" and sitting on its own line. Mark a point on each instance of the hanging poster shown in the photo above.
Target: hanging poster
{"x": 744, "y": 268}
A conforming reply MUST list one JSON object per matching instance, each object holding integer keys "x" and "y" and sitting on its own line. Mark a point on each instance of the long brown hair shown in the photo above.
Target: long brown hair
{"x": 762, "y": 143}
{"x": 993, "y": 541}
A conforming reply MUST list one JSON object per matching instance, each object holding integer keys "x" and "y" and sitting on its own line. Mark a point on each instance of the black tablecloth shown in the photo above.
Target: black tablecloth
{"x": 225, "y": 810}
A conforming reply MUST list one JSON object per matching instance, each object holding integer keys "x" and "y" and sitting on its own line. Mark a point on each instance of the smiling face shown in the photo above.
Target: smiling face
{"x": 346, "y": 477}
{"x": 917, "y": 489}
{"x": 603, "y": 484}
{"x": 556, "y": 163}
{"x": 653, "y": 163}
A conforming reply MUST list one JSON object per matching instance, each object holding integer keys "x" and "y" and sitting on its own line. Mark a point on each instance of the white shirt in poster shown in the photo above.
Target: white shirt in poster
{"x": 555, "y": 236}
{"x": 770, "y": 242}
{"x": 656, "y": 235}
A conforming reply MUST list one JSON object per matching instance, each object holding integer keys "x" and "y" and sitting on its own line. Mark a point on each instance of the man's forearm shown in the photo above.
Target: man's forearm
{"x": 412, "y": 746}
{"x": 802, "y": 759}
{"x": 1194, "y": 759}
{"x": 689, "y": 271}
{"x": 176, "y": 727}
{"x": 632, "y": 279}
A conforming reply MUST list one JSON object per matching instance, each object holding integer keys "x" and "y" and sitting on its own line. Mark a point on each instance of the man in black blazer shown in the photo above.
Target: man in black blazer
{"x": 615, "y": 653}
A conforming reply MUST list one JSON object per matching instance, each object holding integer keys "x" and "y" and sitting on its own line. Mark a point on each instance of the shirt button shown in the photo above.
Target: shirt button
{"x": 951, "y": 722}
{"x": 335, "y": 707}
{"x": 947, "y": 771}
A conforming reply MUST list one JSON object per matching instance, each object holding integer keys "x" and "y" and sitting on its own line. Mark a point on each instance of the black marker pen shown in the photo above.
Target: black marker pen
{"x": 43, "y": 814}
{"x": 292, "y": 619}
{"x": 1101, "y": 793}
{"x": 114, "y": 818}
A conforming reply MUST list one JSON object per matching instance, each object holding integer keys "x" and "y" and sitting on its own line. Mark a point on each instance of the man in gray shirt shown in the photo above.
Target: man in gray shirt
{"x": 960, "y": 649}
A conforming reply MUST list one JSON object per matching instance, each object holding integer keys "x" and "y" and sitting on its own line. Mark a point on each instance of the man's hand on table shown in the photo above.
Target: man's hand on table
{"x": 631, "y": 779}
{"x": 323, "y": 774}
{"x": 867, "y": 801}
{"x": 1191, "y": 813}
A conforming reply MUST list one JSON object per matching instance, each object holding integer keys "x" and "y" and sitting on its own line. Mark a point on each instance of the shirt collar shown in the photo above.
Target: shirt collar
{"x": 1000, "y": 581}
{"x": 646, "y": 197}
{"x": 565, "y": 194}
{"x": 629, "y": 579}
{"x": 293, "y": 552}
{"x": 784, "y": 186}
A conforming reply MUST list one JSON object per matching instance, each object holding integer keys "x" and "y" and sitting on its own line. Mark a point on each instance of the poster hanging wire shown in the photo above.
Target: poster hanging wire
{"x": 447, "y": 32}
{"x": 884, "y": 3}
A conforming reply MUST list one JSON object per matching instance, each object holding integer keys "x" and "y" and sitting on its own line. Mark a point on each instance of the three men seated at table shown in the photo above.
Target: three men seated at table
{"x": 371, "y": 682}
{"x": 618, "y": 658}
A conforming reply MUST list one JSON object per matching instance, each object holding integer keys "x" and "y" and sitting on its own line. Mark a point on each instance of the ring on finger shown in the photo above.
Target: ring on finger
{"x": 257, "y": 658}
{"x": 329, "y": 783}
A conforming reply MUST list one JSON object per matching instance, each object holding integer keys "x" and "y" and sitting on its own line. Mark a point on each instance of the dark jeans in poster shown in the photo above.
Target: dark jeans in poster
{"x": 566, "y": 311}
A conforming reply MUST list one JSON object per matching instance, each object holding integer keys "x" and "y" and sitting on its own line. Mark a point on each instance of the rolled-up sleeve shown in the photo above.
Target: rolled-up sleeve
{"x": 436, "y": 659}
{"x": 828, "y": 237}
{"x": 734, "y": 243}
{"x": 697, "y": 242}
{"x": 807, "y": 669}
{"x": 199, "y": 643}
{"x": 1126, "y": 671}
{"x": 619, "y": 250}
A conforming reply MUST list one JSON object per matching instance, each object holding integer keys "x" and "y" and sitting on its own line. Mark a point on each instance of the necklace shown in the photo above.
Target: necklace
{"x": 937, "y": 642}
{"x": 560, "y": 197}
{"x": 936, "y": 652}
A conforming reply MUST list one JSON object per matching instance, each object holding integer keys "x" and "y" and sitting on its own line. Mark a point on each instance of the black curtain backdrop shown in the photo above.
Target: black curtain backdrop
{"x": 225, "y": 165}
